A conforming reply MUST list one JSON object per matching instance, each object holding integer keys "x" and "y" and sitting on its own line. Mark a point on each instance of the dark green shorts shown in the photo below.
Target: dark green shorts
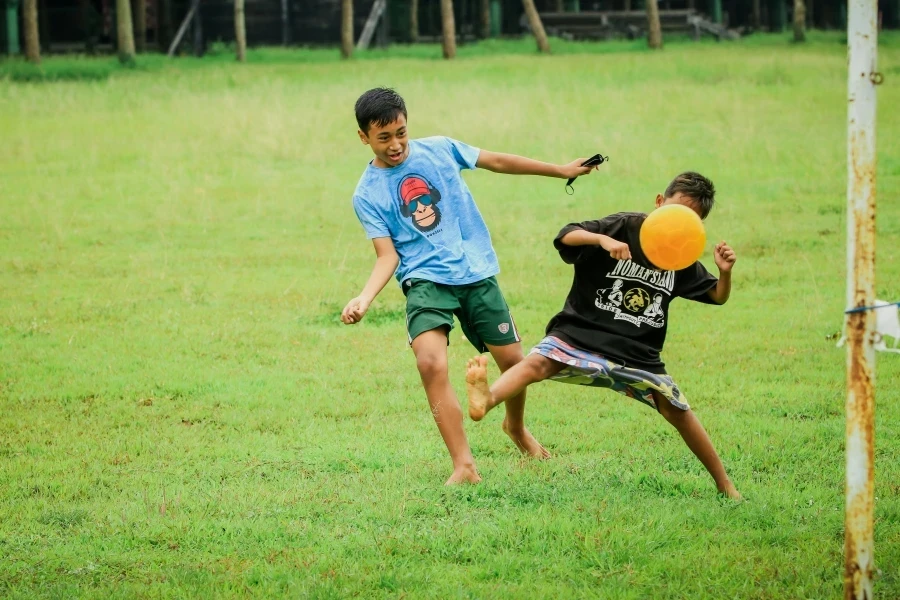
{"x": 480, "y": 308}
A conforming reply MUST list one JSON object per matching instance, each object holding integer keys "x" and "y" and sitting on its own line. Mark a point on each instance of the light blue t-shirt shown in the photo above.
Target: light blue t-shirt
{"x": 427, "y": 210}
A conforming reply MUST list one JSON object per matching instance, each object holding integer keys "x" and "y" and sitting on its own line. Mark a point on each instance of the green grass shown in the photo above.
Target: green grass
{"x": 182, "y": 414}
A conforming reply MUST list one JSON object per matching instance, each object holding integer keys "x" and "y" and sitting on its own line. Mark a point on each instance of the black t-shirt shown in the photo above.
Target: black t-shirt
{"x": 619, "y": 308}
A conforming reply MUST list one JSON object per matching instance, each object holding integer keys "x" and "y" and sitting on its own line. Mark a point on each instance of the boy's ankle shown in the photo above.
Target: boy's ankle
{"x": 513, "y": 427}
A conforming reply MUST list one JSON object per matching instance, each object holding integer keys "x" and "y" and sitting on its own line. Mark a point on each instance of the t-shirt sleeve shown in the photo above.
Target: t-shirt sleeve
{"x": 611, "y": 226}
{"x": 465, "y": 155}
{"x": 372, "y": 222}
{"x": 694, "y": 282}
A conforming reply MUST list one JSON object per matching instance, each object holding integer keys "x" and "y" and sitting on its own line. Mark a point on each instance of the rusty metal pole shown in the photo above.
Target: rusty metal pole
{"x": 862, "y": 37}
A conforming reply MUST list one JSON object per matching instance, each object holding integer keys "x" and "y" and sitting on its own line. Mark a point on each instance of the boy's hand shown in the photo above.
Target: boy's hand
{"x": 355, "y": 311}
{"x": 725, "y": 257}
{"x": 574, "y": 169}
{"x": 618, "y": 250}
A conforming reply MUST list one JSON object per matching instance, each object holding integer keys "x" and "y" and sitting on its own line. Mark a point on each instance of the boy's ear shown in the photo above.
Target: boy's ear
{"x": 659, "y": 200}
{"x": 363, "y": 137}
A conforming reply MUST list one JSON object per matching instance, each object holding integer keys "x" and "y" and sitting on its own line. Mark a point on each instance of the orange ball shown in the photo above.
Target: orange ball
{"x": 673, "y": 237}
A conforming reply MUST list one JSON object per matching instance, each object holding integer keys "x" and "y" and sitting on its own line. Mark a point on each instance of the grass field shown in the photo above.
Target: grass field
{"x": 183, "y": 415}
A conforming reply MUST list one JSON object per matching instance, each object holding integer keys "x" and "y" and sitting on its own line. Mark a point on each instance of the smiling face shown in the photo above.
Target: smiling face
{"x": 389, "y": 142}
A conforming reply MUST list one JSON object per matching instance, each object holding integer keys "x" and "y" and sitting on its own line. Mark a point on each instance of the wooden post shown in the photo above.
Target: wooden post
{"x": 240, "y": 31}
{"x": 654, "y": 30}
{"x": 31, "y": 33}
{"x": 799, "y": 21}
{"x": 448, "y": 29}
{"x": 125, "y": 31}
{"x": 537, "y": 27}
{"x": 182, "y": 29}
{"x": 756, "y": 18}
{"x": 346, "y": 28}
{"x": 414, "y": 21}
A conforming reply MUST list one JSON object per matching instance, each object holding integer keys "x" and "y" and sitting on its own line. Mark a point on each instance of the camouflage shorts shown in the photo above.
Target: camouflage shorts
{"x": 584, "y": 368}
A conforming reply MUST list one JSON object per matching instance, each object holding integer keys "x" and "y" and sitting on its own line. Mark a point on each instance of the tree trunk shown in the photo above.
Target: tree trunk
{"x": 756, "y": 19}
{"x": 346, "y": 28}
{"x": 414, "y": 21}
{"x": 240, "y": 30}
{"x": 484, "y": 19}
{"x": 125, "y": 29}
{"x": 559, "y": 6}
{"x": 537, "y": 28}
{"x": 448, "y": 29}
{"x": 32, "y": 37}
{"x": 140, "y": 25}
{"x": 799, "y": 21}
{"x": 654, "y": 31}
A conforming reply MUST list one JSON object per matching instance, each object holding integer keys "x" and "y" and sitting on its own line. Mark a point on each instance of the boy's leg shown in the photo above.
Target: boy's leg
{"x": 696, "y": 438}
{"x": 512, "y": 383}
{"x": 507, "y": 357}
{"x": 430, "y": 349}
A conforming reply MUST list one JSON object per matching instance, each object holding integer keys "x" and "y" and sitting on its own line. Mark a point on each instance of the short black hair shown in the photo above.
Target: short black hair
{"x": 697, "y": 187}
{"x": 379, "y": 106}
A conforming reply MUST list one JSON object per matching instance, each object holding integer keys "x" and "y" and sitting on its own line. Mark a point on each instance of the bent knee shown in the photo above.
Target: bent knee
{"x": 509, "y": 361}
{"x": 668, "y": 410}
{"x": 540, "y": 367}
{"x": 431, "y": 365}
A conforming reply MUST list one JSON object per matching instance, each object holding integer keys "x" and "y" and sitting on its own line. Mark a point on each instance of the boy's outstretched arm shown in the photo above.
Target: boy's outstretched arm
{"x": 580, "y": 237}
{"x": 385, "y": 266}
{"x": 512, "y": 164}
{"x": 725, "y": 259}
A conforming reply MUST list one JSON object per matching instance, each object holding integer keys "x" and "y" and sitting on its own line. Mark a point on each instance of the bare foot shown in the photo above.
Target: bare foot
{"x": 464, "y": 474}
{"x": 731, "y": 491}
{"x": 525, "y": 442}
{"x": 477, "y": 387}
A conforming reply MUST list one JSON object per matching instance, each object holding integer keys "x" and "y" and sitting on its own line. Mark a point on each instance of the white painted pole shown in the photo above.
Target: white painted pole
{"x": 862, "y": 38}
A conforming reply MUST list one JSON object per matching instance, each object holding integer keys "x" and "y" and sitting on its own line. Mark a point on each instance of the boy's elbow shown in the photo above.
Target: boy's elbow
{"x": 716, "y": 298}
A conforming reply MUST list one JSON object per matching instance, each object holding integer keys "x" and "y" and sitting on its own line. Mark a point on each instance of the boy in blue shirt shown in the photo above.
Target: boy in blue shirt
{"x": 427, "y": 230}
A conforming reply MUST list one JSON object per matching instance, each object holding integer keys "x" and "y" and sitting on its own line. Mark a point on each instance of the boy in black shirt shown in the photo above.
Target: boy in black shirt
{"x": 612, "y": 328}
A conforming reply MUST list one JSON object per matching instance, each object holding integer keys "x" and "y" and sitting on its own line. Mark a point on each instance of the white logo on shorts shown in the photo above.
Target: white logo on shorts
{"x": 503, "y": 327}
